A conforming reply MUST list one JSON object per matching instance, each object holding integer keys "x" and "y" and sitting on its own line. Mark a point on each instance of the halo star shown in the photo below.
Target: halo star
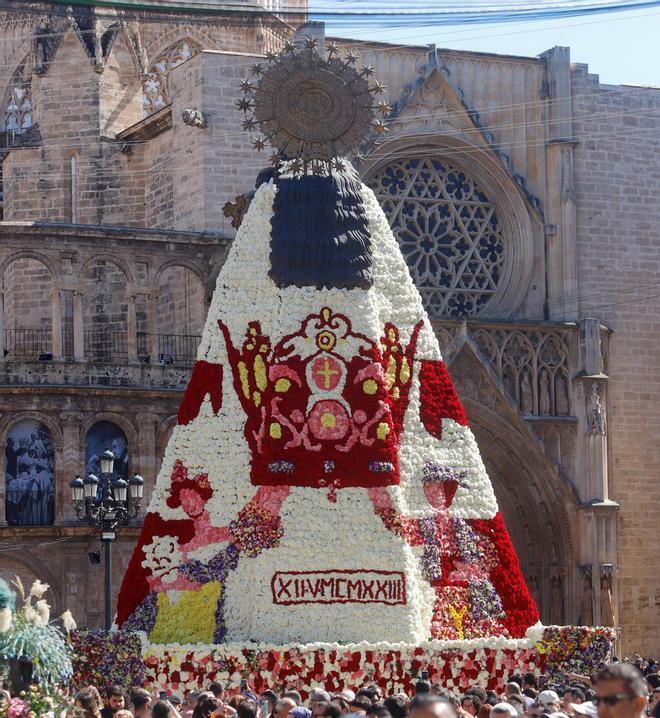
{"x": 244, "y": 104}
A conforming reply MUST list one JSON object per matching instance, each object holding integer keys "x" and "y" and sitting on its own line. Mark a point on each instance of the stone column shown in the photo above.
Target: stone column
{"x": 72, "y": 464}
{"x": 2, "y": 325}
{"x": 56, "y": 314}
{"x": 152, "y": 325}
{"x": 591, "y": 409}
{"x": 78, "y": 326}
{"x": 586, "y": 597}
{"x": 145, "y": 465}
{"x": 131, "y": 328}
{"x": 598, "y": 512}
{"x": 561, "y": 230}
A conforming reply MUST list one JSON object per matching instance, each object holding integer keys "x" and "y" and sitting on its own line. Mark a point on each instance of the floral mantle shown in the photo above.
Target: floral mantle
{"x": 457, "y": 665}
{"x": 323, "y": 465}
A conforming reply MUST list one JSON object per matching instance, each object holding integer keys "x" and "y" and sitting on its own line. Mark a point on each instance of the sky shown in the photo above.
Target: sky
{"x": 620, "y": 47}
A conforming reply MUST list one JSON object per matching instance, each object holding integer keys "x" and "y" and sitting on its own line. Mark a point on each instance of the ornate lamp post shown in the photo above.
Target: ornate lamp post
{"x": 107, "y": 503}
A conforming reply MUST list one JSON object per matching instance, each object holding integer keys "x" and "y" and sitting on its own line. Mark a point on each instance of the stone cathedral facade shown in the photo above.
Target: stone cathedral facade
{"x": 524, "y": 195}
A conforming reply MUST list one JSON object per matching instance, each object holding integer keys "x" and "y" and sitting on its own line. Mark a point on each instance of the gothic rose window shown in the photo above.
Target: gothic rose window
{"x": 448, "y": 231}
{"x": 17, "y": 105}
{"x": 156, "y": 83}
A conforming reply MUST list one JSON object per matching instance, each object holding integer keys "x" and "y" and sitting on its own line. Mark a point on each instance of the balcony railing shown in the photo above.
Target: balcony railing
{"x": 103, "y": 346}
{"x": 30, "y": 508}
{"x": 177, "y": 348}
{"x": 27, "y": 343}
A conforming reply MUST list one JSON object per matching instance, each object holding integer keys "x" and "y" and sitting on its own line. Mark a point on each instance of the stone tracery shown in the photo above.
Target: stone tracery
{"x": 17, "y": 105}
{"x": 449, "y": 233}
{"x": 156, "y": 83}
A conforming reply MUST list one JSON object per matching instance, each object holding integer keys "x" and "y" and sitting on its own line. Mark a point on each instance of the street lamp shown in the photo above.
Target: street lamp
{"x": 107, "y": 503}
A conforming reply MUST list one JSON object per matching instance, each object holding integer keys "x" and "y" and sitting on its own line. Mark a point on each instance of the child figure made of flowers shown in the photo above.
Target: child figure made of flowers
{"x": 322, "y": 483}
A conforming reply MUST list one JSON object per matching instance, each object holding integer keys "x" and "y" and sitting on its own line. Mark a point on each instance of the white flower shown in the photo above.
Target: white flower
{"x": 42, "y": 611}
{"x": 6, "y": 618}
{"x": 29, "y": 613}
{"x": 68, "y": 621}
{"x": 38, "y": 589}
{"x": 162, "y": 558}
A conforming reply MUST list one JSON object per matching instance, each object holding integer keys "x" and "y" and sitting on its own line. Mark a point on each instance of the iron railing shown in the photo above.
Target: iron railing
{"x": 177, "y": 348}
{"x": 30, "y": 508}
{"x": 28, "y": 343}
{"x": 101, "y": 345}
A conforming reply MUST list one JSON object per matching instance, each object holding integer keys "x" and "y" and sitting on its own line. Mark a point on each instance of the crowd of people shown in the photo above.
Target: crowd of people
{"x": 626, "y": 689}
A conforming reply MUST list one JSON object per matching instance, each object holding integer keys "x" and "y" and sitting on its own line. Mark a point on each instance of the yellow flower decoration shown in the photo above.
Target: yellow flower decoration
{"x": 193, "y": 616}
{"x": 457, "y": 617}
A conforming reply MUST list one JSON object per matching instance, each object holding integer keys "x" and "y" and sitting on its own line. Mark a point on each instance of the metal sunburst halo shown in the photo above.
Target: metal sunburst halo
{"x": 311, "y": 109}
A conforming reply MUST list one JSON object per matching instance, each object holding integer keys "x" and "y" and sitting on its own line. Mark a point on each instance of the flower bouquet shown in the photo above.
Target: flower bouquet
{"x": 31, "y": 647}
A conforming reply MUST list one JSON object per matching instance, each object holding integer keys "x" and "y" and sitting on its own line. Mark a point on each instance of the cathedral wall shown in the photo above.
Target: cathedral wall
{"x": 230, "y": 160}
{"x": 617, "y": 189}
{"x": 121, "y": 90}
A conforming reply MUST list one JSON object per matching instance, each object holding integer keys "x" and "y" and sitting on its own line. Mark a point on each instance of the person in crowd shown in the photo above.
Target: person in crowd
{"x": 654, "y": 701}
{"x": 397, "y": 706}
{"x": 189, "y": 703}
{"x": 284, "y": 706}
{"x": 484, "y": 711}
{"x": 378, "y": 710}
{"x": 294, "y": 695}
{"x": 318, "y": 695}
{"x": 300, "y": 712}
{"x": 141, "y": 703}
{"x": 422, "y": 686}
{"x": 207, "y": 706}
{"x": 432, "y": 706}
{"x": 162, "y": 709}
{"x": 572, "y": 696}
{"x": 371, "y": 693}
{"x": 529, "y": 696}
{"x": 583, "y": 710}
{"x": 114, "y": 701}
{"x": 529, "y": 680}
{"x": 270, "y": 698}
{"x": 88, "y": 701}
{"x": 492, "y": 698}
{"x": 512, "y": 688}
{"x": 235, "y": 701}
{"x": 547, "y": 702}
{"x": 471, "y": 704}
{"x": 621, "y": 692}
{"x": 360, "y": 704}
{"x": 248, "y": 709}
{"x": 331, "y": 710}
{"x": 217, "y": 689}
{"x": 343, "y": 704}
{"x": 318, "y": 710}
{"x": 503, "y": 710}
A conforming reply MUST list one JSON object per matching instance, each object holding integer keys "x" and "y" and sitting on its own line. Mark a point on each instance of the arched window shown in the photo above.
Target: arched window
{"x": 156, "y": 83}
{"x": 105, "y": 311}
{"x": 180, "y": 306}
{"x": 28, "y": 308}
{"x": 29, "y": 475}
{"x": 106, "y": 435}
{"x": 448, "y": 231}
{"x": 17, "y": 104}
